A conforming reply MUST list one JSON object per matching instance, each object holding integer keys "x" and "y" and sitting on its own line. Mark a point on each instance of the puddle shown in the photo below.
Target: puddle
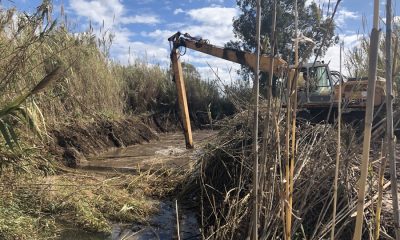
{"x": 78, "y": 234}
{"x": 162, "y": 225}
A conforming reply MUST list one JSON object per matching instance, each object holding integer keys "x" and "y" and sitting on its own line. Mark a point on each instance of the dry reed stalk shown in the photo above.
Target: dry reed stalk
{"x": 396, "y": 49}
{"x": 382, "y": 167}
{"x": 389, "y": 119}
{"x": 269, "y": 102}
{"x": 335, "y": 187}
{"x": 294, "y": 113}
{"x": 287, "y": 160}
{"x": 256, "y": 93}
{"x": 177, "y": 220}
{"x": 368, "y": 122}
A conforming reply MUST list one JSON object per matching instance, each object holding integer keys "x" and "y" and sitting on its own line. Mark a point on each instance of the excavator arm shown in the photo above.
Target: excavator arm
{"x": 198, "y": 44}
{"x": 233, "y": 55}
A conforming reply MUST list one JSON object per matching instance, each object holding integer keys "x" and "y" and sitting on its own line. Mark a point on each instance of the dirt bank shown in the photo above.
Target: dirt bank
{"x": 77, "y": 140}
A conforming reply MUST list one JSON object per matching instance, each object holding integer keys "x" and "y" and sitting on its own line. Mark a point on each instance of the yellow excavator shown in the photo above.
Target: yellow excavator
{"x": 317, "y": 88}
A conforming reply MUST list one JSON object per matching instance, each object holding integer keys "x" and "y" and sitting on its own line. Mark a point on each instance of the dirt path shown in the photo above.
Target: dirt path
{"x": 169, "y": 151}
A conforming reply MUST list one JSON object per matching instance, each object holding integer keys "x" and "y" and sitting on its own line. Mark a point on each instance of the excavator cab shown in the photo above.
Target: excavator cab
{"x": 314, "y": 85}
{"x": 319, "y": 84}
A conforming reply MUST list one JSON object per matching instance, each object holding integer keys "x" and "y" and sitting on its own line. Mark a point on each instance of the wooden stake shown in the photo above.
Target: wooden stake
{"x": 362, "y": 182}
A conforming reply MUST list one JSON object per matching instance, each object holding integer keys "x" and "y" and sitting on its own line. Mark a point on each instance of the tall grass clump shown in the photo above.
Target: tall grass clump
{"x": 204, "y": 96}
{"x": 90, "y": 88}
{"x": 147, "y": 87}
{"x": 150, "y": 88}
{"x": 33, "y": 46}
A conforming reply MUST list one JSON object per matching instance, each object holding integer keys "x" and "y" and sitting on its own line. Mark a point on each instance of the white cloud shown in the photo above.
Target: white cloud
{"x": 125, "y": 50}
{"x": 98, "y": 11}
{"x": 333, "y": 54}
{"x": 220, "y": 37}
{"x": 146, "y": 19}
{"x": 214, "y": 24}
{"x": 213, "y": 15}
{"x": 158, "y": 35}
{"x": 109, "y": 12}
{"x": 178, "y": 10}
{"x": 147, "y": 52}
{"x": 114, "y": 16}
{"x": 210, "y": 23}
{"x": 343, "y": 15}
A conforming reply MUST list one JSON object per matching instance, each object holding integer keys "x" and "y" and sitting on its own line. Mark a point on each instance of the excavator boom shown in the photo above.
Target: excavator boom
{"x": 233, "y": 55}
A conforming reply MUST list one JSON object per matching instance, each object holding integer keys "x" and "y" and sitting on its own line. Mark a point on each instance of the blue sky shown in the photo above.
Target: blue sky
{"x": 143, "y": 26}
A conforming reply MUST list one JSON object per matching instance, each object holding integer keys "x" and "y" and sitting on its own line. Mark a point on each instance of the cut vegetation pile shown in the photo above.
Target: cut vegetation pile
{"x": 222, "y": 182}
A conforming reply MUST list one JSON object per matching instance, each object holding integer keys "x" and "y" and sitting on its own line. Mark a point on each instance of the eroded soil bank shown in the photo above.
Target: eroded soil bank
{"x": 75, "y": 141}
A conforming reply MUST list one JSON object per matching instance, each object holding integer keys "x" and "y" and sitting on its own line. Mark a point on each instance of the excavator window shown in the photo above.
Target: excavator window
{"x": 319, "y": 80}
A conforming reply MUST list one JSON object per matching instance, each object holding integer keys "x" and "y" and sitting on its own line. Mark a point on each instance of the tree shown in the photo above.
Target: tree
{"x": 311, "y": 24}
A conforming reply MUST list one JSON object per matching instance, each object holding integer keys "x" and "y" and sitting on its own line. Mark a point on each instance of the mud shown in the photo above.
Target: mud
{"x": 75, "y": 141}
{"x": 167, "y": 152}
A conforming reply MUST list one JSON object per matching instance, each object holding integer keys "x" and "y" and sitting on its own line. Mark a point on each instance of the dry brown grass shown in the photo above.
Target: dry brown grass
{"x": 39, "y": 207}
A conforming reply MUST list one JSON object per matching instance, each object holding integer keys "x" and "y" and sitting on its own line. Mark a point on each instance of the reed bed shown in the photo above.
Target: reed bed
{"x": 222, "y": 182}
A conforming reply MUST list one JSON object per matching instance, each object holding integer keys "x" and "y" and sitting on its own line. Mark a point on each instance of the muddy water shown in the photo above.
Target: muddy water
{"x": 163, "y": 225}
{"x": 170, "y": 152}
